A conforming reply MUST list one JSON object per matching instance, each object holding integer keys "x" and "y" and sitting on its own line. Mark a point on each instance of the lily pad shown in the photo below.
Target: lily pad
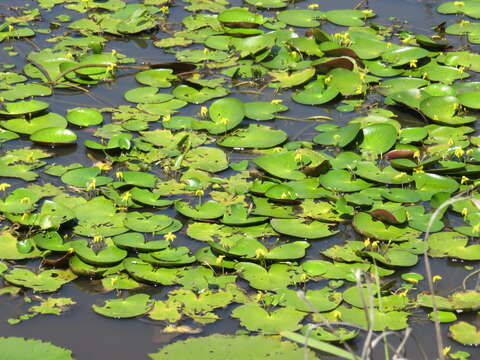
{"x": 239, "y": 347}
{"x": 129, "y": 307}
{"x": 84, "y": 117}
{"x": 302, "y": 229}
{"x": 54, "y": 136}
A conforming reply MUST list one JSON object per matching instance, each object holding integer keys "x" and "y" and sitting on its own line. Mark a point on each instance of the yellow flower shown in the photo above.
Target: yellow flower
{"x": 224, "y": 120}
{"x": 367, "y": 12}
{"x": 169, "y": 237}
{"x": 205, "y": 50}
{"x": 276, "y": 101}
{"x": 110, "y": 68}
{"x": 458, "y": 3}
{"x": 102, "y": 166}
{"x": 313, "y": 6}
{"x": 11, "y": 28}
{"x": 260, "y": 253}
{"x": 413, "y": 63}
{"x": 337, "y": 314}
{"x": 126, "y": 196}
{"x": 119, "y": 175}
{"x": 25, "y": 216}
{"x": 464, "y": 212}
{"x": 92, "y": 185}
{"x": 419, "y": 170}
{"x": 25, "y": 200}
{"x": 464, "y": 180}
{"x": 425, "y": 75}
{"x": 167, "y": 117}
{"x": 411, "y": 280}
{"x": 374, "y": 244}
{"x": 359, "y": 89}
{"x": 165, "y": 9}
{"x": 446, "y": 350}
{"x": 97, "y": 238}
{"x": 459, "y": 152}
{"x": 461, "y": 69}
{"x": 114, "y": 52}
{"x": 298, "y": 157}
{"x": 450, "y": 142}
{"x": 366, "y": 242}
{"x": 464, "y": 22}
{"x": 436, "y": 278}
{"x": 4, "y": 186}
{"x": 203, "y": 111}
{"x": 476, "y": 229}
{"x": 219, "y": 259}
{"x": 199, "y": 192}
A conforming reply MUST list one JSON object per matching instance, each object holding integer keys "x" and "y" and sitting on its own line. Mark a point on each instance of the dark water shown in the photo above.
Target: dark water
{"x": 92, "y": 337}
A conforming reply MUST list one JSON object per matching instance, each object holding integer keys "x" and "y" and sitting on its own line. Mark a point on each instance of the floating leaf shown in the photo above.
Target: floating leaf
{"x": 131, "y": 306}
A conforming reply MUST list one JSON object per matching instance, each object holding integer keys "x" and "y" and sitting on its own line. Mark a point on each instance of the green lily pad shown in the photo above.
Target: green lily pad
{"x": 85, "y": 177}
{"x": 23, "y": 108}
{"x": 378, "y": 138}
{"x": 302, "y": 229}
{"x": 29, "y": 349}
{"x": 148, "y": 273}
{"x": 147, "y": 222}
{"x": 206, "y": 158}
{"x": 320, "y": 300}
{"x": 342, "y": 181}
{"x": 44, "y": 281}
{"x": 136, "y": 241}
{"x": 255, "y": 318}
{"x": 84, "y": 117}
{"x": 160, "y": 78}
{"x": 452, "y": 244}
{"x": 440, "y": 108}
{"x": 239, "y": 347}
{"x": 129, "y": 307}
{"x": 338, "y": 137}
{"x": 10, "y": 251}
{"x": 54, "y": 136}
{"x": 107, "y": 255}
{"x": 194, "y": 96}
{"x": 393, "y": 320}
{"x": 348, "y": 17}
{"x": 146, "y": 95}
{"x": 465, "y": 333}
{"x": 301, "y": 18}
{"x": 365, "y": 225}
{"x": 255, "y": 136}
{"x": 207, "y": 210}
{"x": 277, "y": 277}
{"x": 25, "y": 126}
{"x": 261, "y": 111}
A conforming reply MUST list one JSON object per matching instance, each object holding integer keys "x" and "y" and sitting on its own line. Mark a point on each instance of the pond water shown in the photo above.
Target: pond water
{"x": 91, "y": 336}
